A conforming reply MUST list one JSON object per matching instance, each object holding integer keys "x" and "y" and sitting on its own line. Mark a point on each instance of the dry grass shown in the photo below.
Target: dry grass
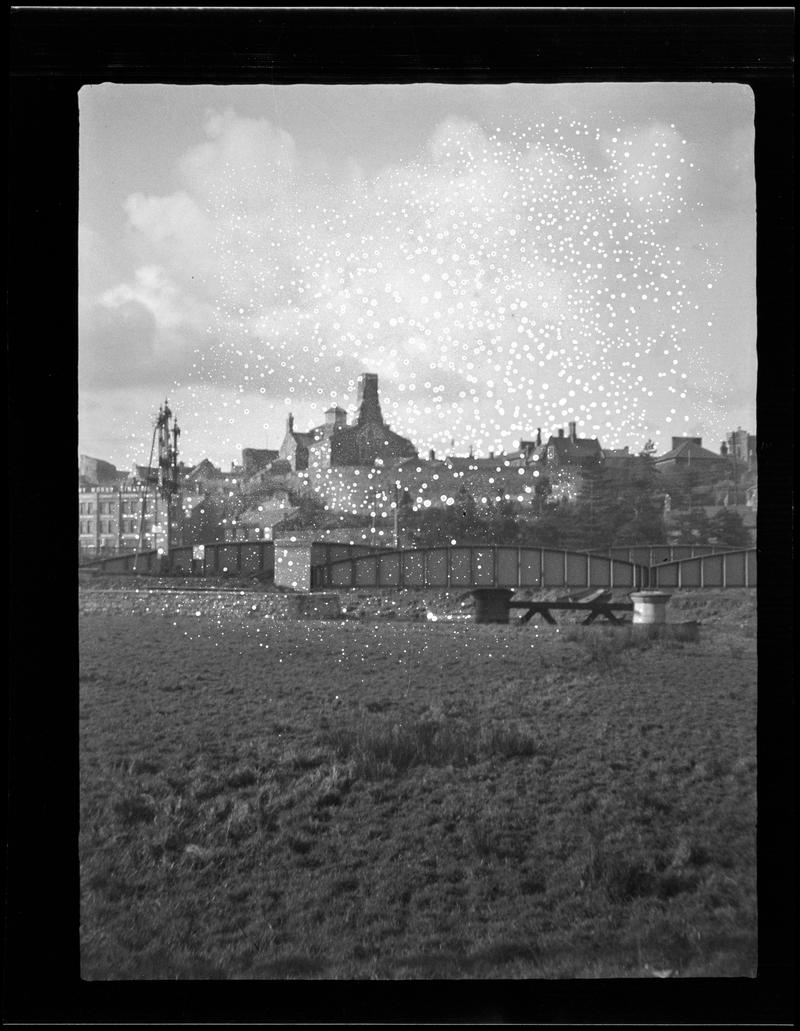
{"x": 356, "y": 800}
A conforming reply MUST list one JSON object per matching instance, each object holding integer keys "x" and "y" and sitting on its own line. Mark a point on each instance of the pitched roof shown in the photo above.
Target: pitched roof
{"x": 204, "y": 468}
{"x": 580, "y": 447}
{"x": 690, "y": 451}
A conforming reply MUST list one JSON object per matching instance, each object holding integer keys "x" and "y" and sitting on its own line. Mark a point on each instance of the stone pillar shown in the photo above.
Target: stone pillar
{"x": 491, "y": 604}
{"x": 293, "y": 565}
{"x": 650, "y": 606}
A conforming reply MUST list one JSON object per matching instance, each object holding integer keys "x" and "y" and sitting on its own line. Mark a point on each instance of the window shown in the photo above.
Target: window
{"x": 90, "y": 508}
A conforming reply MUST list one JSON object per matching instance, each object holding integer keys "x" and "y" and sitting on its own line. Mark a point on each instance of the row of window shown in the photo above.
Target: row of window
{"x": 132, "y": 507}
{"x": 87, "y": 526}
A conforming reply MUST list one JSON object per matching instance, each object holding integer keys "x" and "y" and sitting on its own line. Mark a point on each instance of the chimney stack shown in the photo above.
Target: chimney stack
{"x": 538, "y": 436}
{"x": 561, "y": 431}
{"x": 431, "y": 455}
{"x": 335, "y": 417}
{"x": 369, "y": 409}
{"x": 572, "y": 432}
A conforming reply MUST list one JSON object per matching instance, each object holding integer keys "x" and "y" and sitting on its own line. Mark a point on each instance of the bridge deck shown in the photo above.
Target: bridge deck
{"x": 466, "y": 566}
{"x": 331, "y": 566}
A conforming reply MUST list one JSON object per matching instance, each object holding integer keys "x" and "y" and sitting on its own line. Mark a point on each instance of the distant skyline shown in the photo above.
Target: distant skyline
{"x": 504, "y": 257}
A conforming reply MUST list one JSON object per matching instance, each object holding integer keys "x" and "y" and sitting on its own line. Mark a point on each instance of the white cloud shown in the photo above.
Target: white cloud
{"x": 518, "y": 276}
{"x": 239, "y": 153}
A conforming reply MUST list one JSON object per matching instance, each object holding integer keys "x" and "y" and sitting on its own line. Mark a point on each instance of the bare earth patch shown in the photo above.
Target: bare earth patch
{"x": 389, "y": 799}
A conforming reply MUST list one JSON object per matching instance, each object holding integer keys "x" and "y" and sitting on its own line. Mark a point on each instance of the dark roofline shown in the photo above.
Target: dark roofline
{"x": 698, "y": 451}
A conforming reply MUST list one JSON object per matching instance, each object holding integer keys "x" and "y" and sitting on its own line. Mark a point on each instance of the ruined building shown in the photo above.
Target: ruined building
{"x": 334, "y": 443}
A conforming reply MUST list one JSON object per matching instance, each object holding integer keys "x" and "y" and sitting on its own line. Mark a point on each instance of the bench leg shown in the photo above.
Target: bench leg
{"x": 546, "y": 614}
{"x": 589, "y": 619}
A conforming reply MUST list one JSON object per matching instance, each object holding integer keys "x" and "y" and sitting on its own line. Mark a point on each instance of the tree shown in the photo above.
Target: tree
{"x": 599, "y": 507}
{"x": 678, "y": 484}
{"x": 727, "y": 527}
{"x": 693, "y": 527}
{"x": 309, "y": 514}
{"x": 645, "y": 527}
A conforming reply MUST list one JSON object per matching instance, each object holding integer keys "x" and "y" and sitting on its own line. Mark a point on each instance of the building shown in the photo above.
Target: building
{"x": 110, "y": 519}
{"x": 688, "y": 453}
{"x": 94, "y": 471}
{"x": 741, "y": 447}
{"x": 206, "y": 476}
{"x": 129, "y": 512}
{"x": 255, "y": 460}
{"x": 271, "y": 507}
{"x": 626, "y": 468}
{"x": 334, "y": 443}
{"x": 295, "y": 445}
{"x": 530, "y": 450}
{"x": 571, "y": 451}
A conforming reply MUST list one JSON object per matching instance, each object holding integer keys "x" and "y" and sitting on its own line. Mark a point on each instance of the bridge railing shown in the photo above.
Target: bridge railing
{"x": 217, "y": 558}
{"x": 655, "y": 554}
{"x": 725, "y": 569}
{"x": 221, "y": 557}
{"x": 475, "y": 566}
{"x": 459, "y": 566}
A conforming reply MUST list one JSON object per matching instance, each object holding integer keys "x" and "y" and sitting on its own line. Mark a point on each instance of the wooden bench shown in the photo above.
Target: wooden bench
{"x": 594, "y": 602}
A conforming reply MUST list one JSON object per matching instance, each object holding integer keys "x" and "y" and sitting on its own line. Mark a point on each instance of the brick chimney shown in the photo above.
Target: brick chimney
{"x": 431, "y": 455}
{"x": 572, "y": 432}
{"x": 369, "y": 409}
{"x": 561, "y": 432}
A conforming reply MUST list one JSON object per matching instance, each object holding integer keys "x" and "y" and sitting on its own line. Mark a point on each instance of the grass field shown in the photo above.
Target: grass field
{"x": 388, "y": 799}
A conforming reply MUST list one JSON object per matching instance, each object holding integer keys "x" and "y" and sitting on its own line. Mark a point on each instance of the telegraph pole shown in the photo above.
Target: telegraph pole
{"x": 396, "y": 514}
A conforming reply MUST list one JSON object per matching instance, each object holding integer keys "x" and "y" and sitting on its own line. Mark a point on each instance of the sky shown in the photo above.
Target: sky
{"x": 504, "y": 257}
